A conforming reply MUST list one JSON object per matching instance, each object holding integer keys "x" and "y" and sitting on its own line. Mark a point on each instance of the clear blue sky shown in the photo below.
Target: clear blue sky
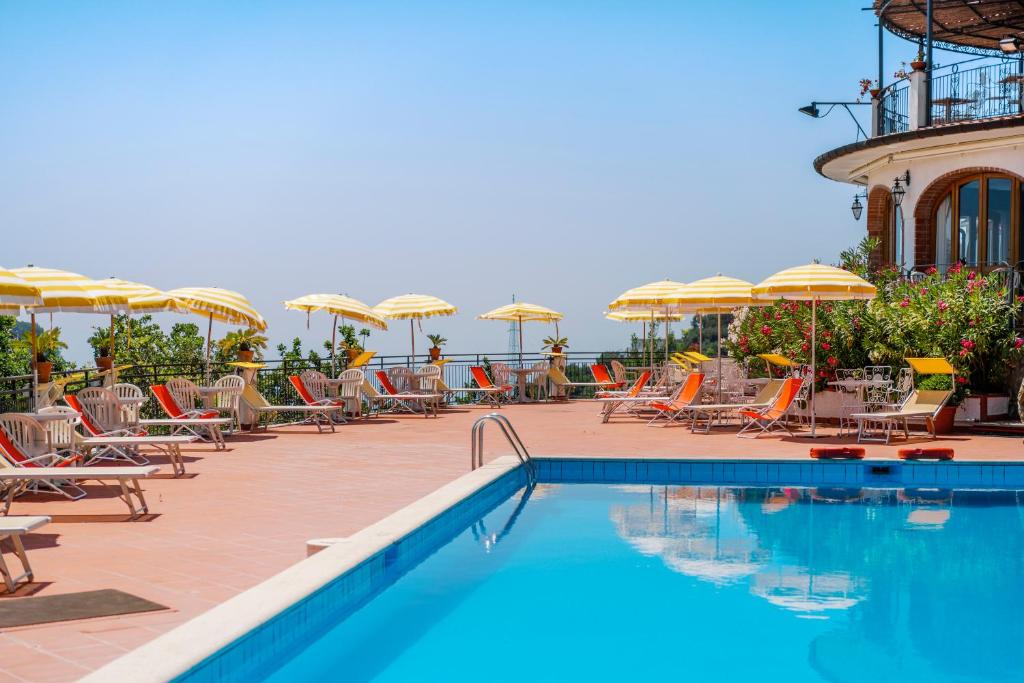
{"x": 563, "y": 151}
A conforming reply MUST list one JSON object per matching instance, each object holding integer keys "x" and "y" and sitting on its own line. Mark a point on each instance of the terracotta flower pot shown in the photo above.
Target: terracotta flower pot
{"x": 918, "y": 65}
{"x": 944, "y": 421}
{"x": 435, "y": 353}
{"x": 874, "y": 92}
{"x": 556, "y": 349}
{"x": 352, "y": 354}
{"x": 105, "y": 362}
{"x": 43, "y": 371}
{"x": 246, "y": 356}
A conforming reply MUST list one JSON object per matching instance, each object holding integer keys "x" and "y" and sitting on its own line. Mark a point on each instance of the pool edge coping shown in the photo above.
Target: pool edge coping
{"x": 179, "y": 650}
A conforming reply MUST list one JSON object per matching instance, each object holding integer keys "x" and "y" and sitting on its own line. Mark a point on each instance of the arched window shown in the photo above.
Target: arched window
{"x": 974, "y": 222}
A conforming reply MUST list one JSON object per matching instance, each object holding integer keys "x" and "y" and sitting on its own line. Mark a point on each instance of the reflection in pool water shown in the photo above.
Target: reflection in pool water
{"x": 614, "y": 583}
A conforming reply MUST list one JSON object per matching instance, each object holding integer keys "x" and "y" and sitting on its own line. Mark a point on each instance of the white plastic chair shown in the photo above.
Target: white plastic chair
{"x": 229, "y": 395}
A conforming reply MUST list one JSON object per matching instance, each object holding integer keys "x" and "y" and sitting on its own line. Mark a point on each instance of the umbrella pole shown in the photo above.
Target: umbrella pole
{"x": 412, "y": 336}
{"x": 209, "y": 337}
{"x": 521, "y": 339}
{"x": 643, "y": 349}
{"x": 719, "y": 358}
{"x": 35, "y": 369}
{"x": 666, "y": 339}
{"x": 814, "y": 365}
{"x": 334, "y": 336}
{"x": 650, "y": 342}
{"x": 700, "y": 333}
{"x": 111, "y": 335}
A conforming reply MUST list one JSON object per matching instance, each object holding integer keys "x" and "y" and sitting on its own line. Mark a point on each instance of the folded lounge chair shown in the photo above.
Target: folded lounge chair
{"x": 772, "y": 417}
{"x": 921, "y": 404}
{"x": 261, "y": 408}
{"x": 683, "y": 404}
{"x": 204, "y": 424}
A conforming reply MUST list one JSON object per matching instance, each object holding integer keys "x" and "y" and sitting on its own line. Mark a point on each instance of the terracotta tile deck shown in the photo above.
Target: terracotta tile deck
{"x": 245, "y": 514}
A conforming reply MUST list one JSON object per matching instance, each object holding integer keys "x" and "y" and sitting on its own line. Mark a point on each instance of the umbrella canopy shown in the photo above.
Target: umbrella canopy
{"x": 414, "y": 307}
{"x": 717, "y": 295}
{"x": 814, "y": 282}
{"x": 338, "y": 306}
{"x": 522, "y": 312}
{"x": 66, "y": 292}
{"x": 16, "y": 292}
{"x": 660, "y": 294}
{"x": 643, "y": 316}
{"x": 222, "y": 305}
{"x": 143, "y": 298}
{"x": 652, "y": 297}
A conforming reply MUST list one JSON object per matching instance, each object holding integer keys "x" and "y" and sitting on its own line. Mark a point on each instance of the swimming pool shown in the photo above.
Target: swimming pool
{"x": 619, "y": 582}
{"x": 612, "y": 569}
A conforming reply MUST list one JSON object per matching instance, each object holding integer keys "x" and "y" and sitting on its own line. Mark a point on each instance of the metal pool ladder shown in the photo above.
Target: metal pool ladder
{"x": 477, "y": 441}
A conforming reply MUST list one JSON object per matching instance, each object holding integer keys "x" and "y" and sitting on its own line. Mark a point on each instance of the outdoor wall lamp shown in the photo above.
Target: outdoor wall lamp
{"x": 898, "y": 191}
{"x": 815, "y": 113}
{"x": 857, "y": 208}
{"x": 1010, "y": 45}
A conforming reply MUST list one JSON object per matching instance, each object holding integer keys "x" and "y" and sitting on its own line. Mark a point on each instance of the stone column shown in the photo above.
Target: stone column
{"x": 917, "y": 105}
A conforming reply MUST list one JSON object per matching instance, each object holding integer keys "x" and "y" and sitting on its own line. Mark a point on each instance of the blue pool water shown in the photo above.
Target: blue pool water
{"x": 614, "y": 583}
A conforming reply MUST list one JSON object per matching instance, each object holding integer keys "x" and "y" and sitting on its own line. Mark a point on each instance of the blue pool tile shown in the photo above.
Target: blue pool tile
{"x": 747, "y": 473}
{"x": 700, "y": 472}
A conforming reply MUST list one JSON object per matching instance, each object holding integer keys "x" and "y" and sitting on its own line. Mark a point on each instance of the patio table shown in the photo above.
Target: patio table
{"x": 209, "y": 395}
{"x": 521, "y": 375}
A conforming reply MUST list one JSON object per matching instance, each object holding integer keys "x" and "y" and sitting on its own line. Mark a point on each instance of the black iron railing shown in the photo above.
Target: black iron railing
{"x": 272, "y": 379}
{"x": 894, "y": 112}
{"x": 979, "y": 93}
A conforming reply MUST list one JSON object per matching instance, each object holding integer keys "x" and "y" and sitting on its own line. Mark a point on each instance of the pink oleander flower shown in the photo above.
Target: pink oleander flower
{"x": 778, "y": 316}
{"x": 833, "y": 361}
{"x": 971, "y": 275}
{"x": 955, "y": 268}
{"x": 905, "y": 303}
{"x": 931, "y": 270}
{"x": 942, "y": 305}
{"x": 963, "y": 352}
{"x": 807, "y": 347}
{"x": 967, "y": 344}
{"x": 961, "y": 379}
{"x": 825, "y": 346}
{"x": 766, "y": 330}
{"x": 1018, "y": 342}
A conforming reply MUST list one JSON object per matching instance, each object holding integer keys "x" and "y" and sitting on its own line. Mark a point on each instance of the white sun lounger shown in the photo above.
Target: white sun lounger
{"x": 120, "y": 446}
{"x": 921, "y": 404}
{"x": 126, "y": 477}
{"x": 14, "y": 528}
{"x": 212, "y": 425}
{"x": 260, "y": 406}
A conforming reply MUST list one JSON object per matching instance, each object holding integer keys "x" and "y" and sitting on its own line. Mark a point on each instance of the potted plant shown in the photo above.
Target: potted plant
{"x": 349, "y": 343}
{"x": 246, "y": 344}
{"x": 48, "y": 345}
{"x": 104, "y": 361}
{"x": 438, "y": 341}
{"x": 556, "y": 344}
{"x": 918, "y": 63}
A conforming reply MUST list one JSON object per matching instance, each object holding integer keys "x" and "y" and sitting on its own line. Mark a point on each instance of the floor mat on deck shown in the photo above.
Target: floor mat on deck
{"x": 86, "y": 605}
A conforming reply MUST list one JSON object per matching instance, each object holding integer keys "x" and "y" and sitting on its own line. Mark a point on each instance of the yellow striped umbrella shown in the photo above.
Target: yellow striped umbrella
{"x": 643, "y": 317}
{"x": 654, "y": 296}
{"x": 714, "y": 296}
{"x": 16, "y": 292}
{"x": 62, "y": 291}
{"x": 814, "y": 282}
{"x": 338, "y": 306}
{"x": 141, "y": 299}
{"x": 66, "y": 292}
{"x": 222, "y": 305}
{"x": 521, "y": 312}
{"x": 413, "y": 307}
{"x": 145, "y": 299}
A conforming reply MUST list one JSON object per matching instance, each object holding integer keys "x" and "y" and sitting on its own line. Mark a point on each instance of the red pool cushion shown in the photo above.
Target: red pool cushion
{"x": 925, "y": 453}
{"x": 837, "y": 453}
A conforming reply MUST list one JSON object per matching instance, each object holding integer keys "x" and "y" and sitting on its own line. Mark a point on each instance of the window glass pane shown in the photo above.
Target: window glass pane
{"x": 968, "y": 222}
{"x": 897, "y": 237}
{"x": 943, "y": 233}
{"x": 997, "y": 220}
